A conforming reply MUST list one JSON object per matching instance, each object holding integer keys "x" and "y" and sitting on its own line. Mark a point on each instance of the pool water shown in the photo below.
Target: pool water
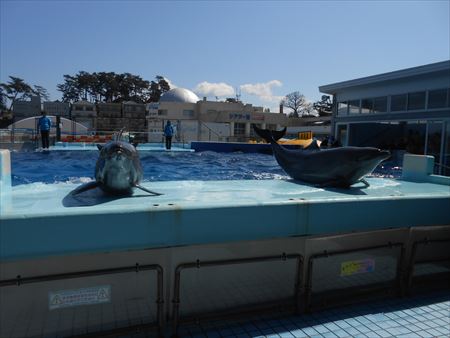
{"x": 79, "y": 166}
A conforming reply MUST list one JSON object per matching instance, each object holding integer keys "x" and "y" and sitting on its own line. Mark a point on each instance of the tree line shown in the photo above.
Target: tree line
{"x": 112, "y": 87}
{"x": 93, "y": 87}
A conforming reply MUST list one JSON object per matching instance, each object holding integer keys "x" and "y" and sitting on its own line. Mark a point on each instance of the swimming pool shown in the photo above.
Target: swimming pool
{"x": 79, "y": 166}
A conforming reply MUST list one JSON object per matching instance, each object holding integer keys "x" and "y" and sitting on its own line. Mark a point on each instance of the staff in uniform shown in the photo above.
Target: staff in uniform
{"x": 44, "y": 126}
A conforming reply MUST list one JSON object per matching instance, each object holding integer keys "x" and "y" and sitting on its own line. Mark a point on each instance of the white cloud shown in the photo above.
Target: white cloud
{"x": 214, "y": 89}
{"x": 263, "y": 90}
{"x": 171, "y": 84}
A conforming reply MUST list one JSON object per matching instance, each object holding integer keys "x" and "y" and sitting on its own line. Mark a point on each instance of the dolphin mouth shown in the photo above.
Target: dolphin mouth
{"x": 118, "y": 150}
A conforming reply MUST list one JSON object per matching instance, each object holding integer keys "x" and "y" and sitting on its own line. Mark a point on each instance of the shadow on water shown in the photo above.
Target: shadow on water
{"x": 91, "y": 198}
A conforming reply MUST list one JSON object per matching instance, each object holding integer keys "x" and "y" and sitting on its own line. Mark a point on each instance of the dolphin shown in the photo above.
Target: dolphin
{"x": 335, "y": 167}
{"x": 118, "y": 169}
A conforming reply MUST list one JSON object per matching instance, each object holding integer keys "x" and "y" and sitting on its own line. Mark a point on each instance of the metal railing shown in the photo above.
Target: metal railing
{"x": 414, "y": 261}
{"x": 214, "y": 263}
{"x": 19, "y": 281}
{"x": 362, "y": 290}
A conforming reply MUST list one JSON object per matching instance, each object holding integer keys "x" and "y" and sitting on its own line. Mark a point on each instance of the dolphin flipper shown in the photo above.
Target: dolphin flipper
{"x": 85, "y": 187}
{"x": 363, "y": 181}
{"x": 146, "y": 190}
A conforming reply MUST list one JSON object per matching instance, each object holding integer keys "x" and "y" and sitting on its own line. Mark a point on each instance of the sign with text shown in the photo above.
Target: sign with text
{"x": 86, "y": 296}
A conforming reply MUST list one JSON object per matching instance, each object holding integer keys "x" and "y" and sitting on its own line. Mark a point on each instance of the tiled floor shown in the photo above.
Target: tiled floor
{"x": 420, "y": 316}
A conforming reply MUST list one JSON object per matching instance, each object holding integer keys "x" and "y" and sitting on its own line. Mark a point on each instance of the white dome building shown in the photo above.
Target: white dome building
{"x": 179, "y": 95}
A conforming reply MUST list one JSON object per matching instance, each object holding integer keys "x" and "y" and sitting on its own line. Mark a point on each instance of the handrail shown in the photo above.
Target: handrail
{"x": 413, "y": 261}
{"x": 308, "y": 286}
{"x": 19, "y": 280}
{"x": 210, "y": 130}
{"x": 198, "y": 264}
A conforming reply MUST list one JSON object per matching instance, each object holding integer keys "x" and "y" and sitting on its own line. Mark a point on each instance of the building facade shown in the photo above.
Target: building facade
{"x": 406, "y": 110}
{"x": 24, "y": 109}
{"x": 57, "y": 108}
{"x": 84, "y": 112}
{"x": 203, "y": 120}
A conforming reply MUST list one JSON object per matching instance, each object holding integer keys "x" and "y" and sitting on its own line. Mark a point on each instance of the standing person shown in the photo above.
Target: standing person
{"x": 168, "y": 133}
{"x": 44, "y": 126}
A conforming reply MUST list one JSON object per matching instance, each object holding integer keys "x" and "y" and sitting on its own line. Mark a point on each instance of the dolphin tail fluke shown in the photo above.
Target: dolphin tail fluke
{"x": 85, "y": 187}
{"x": 146, "y": 190}
{"x": 269, "y": 135}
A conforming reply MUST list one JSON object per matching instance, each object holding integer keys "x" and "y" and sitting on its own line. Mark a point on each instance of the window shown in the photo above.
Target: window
{"x": 252, "y": 131}
{"x": 437, "y": 98}
{"x": 367, "y": 106}
{"x": 398, "y": 102}
{"x": 77, "y": 107}
{"x": 416, "y": 101}
{"x": 380, "y": 104}
{"x": 89, "y": 108}
{"x": 341, "y": 137}
{"x": 342, "y": 108}
{"x": 239, "y": 129}
{"x": 188, "y": 113}
{"x": 162, "y": 112}
{"x": 353, "y": 107}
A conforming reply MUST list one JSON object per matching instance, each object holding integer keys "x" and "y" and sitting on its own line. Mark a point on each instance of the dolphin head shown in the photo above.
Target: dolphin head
{"x": 118, "y": 168}
{"x": 372, "y": 155}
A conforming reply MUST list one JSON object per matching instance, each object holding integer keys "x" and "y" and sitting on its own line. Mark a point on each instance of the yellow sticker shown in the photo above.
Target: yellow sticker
{"x": 359, "y": 266}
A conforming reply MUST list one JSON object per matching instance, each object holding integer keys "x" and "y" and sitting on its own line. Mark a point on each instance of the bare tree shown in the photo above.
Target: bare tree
{"x": 297, "y": 103}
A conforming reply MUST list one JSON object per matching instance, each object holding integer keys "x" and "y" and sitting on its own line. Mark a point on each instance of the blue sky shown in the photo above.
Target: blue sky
{"x": 266, "y": 49}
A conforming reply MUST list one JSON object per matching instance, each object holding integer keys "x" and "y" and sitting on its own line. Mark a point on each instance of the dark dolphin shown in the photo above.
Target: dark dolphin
{"x": 335, "y": 167}
{"x": 118, "y": 169}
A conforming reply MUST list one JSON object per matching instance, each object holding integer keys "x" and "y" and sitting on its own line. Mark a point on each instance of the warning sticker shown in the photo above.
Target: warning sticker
{"x": 68, "y": 298}
{"x": 360, "y": 266}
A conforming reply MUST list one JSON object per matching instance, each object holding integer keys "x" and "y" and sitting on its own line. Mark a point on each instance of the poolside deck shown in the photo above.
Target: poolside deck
{"x": 152, "y": 147}
{"x": 202, "y": 212}
{"x": 413, "y": 317}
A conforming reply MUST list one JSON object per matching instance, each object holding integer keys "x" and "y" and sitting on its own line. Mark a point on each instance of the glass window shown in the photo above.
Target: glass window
{"x": 367, "y": 106}
{"x": 77, "y": 107}
{"x": 416, "y": 101}
{"x": 353, "y": 107}
{"x": 162, "y": 111}
{"x": 415, "y": 137}
{"x": 342, "y": 108}
{"x": 398, "y": 102}
{"x": 239, "y": 129}
{"x": 341, "y": 138}
{"x": 446, "y": 159}
{"x": 434, "y": 135}
{"x": 252, "y": 131}
{"x": 89, "y": 108}
{"x": 437, "y": 98}
{"x": 188, "y": 113}
{"x": 380, "y": 104}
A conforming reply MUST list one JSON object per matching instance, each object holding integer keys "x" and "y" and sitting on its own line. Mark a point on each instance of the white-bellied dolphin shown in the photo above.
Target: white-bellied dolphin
{"x": 118, "y": 169}
{"x": 335, "y": 167}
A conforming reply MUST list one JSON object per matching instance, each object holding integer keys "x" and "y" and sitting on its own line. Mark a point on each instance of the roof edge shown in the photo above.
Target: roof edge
{"x": 398, "y": 74}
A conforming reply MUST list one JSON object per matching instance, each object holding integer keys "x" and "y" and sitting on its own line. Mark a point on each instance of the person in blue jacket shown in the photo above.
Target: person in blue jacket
{"x": 44, "y": 126}
{"x": 168, "y": 133}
